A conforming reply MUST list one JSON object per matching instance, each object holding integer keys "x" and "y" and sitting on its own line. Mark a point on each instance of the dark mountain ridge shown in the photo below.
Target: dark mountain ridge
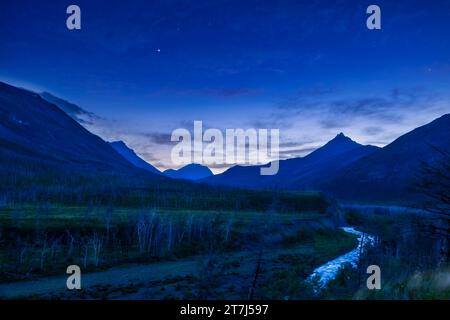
{"x": 391, "y": 172}
{"x": 298, "y": 173}
{"x": 132, "y": 157}
{"x": 191, "y": 172}
{"x": 36, "y": 132}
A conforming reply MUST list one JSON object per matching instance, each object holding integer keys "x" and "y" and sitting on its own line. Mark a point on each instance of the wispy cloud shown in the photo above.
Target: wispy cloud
{"x": 332, "y": 113}
{"x": 75, "y": 112}
{"x": 373, "y": 131}
{"x": 295, "y": 153}
{"x": 158, "y": 138}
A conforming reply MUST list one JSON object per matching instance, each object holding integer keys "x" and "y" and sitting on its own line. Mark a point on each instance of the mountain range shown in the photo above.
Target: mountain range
{"x": 298, "y": 173}
{"x": 391, "y": 172}
{"x": 189, "y": 172}
{"x": 37, "y": 135}
{"x": 43, "y": 133}
{"x": 350, "y": 171}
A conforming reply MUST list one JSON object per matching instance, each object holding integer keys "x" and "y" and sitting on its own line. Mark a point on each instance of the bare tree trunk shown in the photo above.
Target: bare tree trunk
{"x": 86, "y": 251}
{"x": 71, "y": 244}
{"x": 360, "y": 258}
{"x": 43, "y": 254}
{"x": 228, "y": 229}
{"x": 22, "y": 253}
{"x": 189, "y": 227}
{"x": 151, "y": 232}
{"x": 252, "y": 289}
{"x": 169, "y": 237}
{"x": 96, "y": 246}
{"x": 108, "y": 218}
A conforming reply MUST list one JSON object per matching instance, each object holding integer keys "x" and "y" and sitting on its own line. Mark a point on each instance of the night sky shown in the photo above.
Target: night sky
{"x": 310, "y": 68}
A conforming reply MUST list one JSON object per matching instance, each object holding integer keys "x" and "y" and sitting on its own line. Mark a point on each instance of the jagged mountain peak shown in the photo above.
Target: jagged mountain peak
{"x": 342, "y": 138}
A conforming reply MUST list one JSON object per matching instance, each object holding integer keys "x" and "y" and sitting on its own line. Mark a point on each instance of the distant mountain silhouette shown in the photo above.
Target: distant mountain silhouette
{"x": 307, "y": 172}
{"x": 241, "y": 177}
{"x": 132, "y": 157}
{"x": 298, "y": 173}
{"x": 390, "y": 173}
{"x": 190, "y": 172}
{"x": 353, "y": 172}
{"x": 36, "y": 133}
{"x": 38, "y": 136}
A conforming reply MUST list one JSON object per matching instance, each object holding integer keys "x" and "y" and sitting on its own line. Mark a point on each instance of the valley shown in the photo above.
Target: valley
{"x": 68, "y": 197}
{"x": 201, "y": 254}
{"x": 223, "y": 264}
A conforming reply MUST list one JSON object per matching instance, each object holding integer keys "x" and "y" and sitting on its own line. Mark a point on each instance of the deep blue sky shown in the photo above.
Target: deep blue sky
{"x": 310, "y": 68}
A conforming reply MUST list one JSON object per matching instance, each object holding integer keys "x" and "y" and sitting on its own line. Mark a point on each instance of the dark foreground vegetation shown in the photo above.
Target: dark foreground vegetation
{"x": 43, "y": 239}
{"x": 213, "y": 243}
{"x": 166, "y": 240}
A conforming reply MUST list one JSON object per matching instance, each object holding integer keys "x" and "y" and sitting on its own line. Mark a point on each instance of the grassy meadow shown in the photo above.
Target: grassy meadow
{"x": 287, "y": 237}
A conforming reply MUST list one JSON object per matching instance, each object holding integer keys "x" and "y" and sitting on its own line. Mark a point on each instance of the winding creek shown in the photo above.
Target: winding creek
{"x": 329, "y": 270}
